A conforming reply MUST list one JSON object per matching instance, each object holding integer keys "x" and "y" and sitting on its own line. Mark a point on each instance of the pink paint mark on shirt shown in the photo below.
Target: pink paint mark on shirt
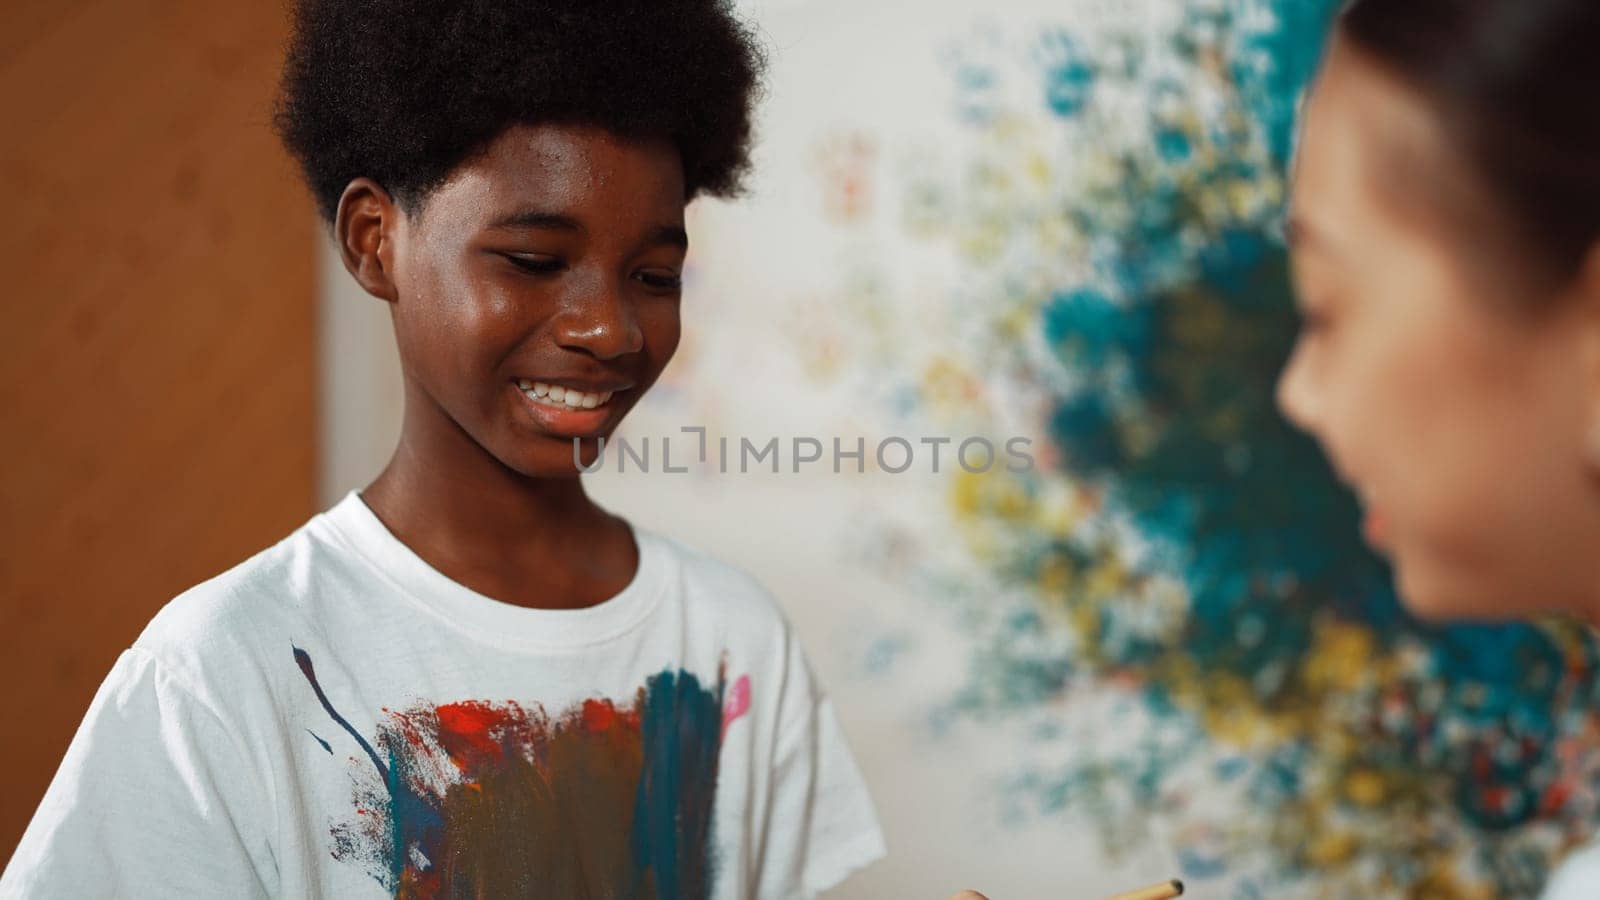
{"x": 738, "y": 702}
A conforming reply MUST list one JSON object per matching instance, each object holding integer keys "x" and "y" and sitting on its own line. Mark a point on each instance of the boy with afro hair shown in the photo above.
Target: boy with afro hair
{"x": 468, "y": 679}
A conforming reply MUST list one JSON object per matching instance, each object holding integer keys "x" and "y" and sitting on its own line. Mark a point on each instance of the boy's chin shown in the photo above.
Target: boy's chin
{"x": 554, "y": 458}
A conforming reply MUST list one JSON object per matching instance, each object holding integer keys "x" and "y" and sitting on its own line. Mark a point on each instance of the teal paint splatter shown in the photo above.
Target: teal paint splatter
{"x": 681, "y": 721}
{"x": 1173, "y": 340}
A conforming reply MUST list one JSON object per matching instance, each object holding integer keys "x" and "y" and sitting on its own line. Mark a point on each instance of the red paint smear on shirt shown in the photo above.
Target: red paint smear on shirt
{"x": 467, "y": 731}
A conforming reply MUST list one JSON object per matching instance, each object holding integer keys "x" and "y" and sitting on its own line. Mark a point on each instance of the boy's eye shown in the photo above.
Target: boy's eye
{"x": 539, "y": 265}
{"x": 666, "y": 281}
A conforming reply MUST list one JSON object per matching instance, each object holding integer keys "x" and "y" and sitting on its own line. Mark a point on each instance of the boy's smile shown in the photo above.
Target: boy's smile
{"x": 567, "y": 409}
{"x": 536, "y": 294}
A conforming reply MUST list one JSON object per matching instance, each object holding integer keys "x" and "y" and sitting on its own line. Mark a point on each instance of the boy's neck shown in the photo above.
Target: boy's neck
{"x": 537, "y": 542}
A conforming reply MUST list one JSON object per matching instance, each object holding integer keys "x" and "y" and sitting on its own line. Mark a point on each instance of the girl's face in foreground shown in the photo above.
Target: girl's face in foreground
{"x": 535, "y": 297}
{"x": 1455, "y": 397}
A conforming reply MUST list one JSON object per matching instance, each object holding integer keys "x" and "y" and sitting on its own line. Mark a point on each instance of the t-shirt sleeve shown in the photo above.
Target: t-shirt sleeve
{"x": 154, "y": 797}
{"x": 821, "y": 824}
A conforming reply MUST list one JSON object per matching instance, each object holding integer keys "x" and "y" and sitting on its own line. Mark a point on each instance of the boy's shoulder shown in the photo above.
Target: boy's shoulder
{"x": 210, "y": 631}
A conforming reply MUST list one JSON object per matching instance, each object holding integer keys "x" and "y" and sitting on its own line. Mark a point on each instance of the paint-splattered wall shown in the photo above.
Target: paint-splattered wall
{"x": 1163, "y": 650}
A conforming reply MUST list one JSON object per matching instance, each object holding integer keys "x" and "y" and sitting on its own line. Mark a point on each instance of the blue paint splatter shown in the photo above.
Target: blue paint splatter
{"x": 325, "y": 745}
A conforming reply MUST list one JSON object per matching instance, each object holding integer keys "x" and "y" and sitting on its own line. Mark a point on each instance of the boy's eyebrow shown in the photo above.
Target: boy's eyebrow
{"x": 671, "y": 235}
{"x": 536, "y": 218}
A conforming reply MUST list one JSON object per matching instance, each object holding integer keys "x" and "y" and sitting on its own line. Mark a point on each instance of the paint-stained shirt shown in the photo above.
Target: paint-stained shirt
{"x": 336, "y": 718}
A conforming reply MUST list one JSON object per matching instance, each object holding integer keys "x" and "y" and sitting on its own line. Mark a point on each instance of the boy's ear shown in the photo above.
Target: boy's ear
{"x": 363, "y": 228}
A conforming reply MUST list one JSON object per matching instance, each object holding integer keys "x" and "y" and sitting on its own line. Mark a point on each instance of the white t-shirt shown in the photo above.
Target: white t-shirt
{"x": 1578, "y": 878}
{"x": 336, "y": 718}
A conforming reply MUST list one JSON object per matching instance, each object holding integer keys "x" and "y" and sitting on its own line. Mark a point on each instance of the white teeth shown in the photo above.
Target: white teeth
{"x": 555, "y": 394}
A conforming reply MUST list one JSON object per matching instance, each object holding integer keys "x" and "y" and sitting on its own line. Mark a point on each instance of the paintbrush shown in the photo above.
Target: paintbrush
{"x": 1166, "y": 890}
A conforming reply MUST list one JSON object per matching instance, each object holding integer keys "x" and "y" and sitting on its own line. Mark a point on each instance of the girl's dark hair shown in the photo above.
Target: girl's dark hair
{"x": 1518, "y": 85}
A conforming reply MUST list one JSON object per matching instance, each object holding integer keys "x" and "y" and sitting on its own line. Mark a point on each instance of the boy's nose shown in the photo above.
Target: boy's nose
{"x": 601, "y": 323}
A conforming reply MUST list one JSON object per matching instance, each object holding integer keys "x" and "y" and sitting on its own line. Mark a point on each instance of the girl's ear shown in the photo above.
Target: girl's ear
{"x": 1587, "y": 295}
{"x": 364, "y": 228}
{"x": 1589, "y": 278}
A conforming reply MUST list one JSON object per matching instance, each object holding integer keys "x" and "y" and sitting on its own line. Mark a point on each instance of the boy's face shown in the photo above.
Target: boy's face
{"x": 536, "y": 294}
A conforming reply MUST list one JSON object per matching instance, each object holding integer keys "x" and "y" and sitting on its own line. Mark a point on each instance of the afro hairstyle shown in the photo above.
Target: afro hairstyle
{"x": 404, "y": 91}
